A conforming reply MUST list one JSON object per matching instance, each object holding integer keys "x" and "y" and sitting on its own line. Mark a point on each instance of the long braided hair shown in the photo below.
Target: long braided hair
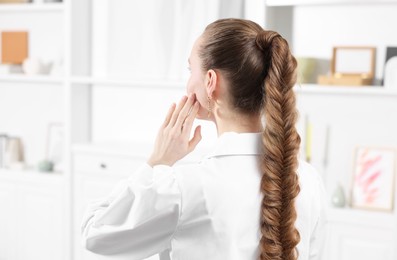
{"x": 261, "y": 73}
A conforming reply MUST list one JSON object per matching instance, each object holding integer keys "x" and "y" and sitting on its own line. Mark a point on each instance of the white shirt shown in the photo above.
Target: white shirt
{"x": 209, "y": 210}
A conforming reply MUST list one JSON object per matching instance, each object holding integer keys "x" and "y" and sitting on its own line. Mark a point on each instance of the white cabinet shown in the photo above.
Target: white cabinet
{"x": 348, "y": 241}
{"x": 39, "y": 229}
{"x": 357, "y": 234}
{"x": 31, "y": 222}
{"x": 7, "y": 220}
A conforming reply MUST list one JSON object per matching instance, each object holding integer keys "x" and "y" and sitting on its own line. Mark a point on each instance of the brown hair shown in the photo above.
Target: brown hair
{"x": 261, "y": 73}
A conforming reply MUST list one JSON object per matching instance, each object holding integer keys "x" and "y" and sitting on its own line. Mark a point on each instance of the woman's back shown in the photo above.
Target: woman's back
{"x": 221, "y": 203}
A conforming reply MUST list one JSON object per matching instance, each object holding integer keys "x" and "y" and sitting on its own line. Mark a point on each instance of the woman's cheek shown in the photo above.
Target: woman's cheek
{"x": 202, "y": 113}
{"x": 189, "y": 89}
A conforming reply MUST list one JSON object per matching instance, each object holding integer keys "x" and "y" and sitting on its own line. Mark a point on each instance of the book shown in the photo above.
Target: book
{"x": 14, "y": 47}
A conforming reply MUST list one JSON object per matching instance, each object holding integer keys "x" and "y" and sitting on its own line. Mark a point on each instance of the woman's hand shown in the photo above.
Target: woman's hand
{"x": 172, "y": 142}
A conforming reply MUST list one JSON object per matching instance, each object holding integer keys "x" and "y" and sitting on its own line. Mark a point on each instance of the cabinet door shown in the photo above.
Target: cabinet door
{"x": 7, "y": 220}
{"x": 347, "y": 242}
{"x": 39, "y": 218}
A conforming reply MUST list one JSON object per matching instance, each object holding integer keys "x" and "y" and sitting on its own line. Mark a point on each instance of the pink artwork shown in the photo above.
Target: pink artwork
{"x": 373, "y": 180}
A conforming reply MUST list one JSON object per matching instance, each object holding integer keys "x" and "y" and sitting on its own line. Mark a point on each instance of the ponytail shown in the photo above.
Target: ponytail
{"x": 281, "y": 145}
{"x": 261, "y": 73}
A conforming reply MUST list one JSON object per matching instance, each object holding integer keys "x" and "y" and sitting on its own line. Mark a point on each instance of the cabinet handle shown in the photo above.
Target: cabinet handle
{"x": 103, "y": 166}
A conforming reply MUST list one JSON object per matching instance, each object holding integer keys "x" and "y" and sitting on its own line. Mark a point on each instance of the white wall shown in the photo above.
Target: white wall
{"x": 354, "y": 120}
{"x": 151, "y": 39}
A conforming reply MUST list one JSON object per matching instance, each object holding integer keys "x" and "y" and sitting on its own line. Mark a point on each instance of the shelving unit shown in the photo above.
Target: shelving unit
{"x": 376, "y": 91}
{"x": 151, "y": 84}
{"x": 31, "y": 175}
{"x": 37, "y": 204}
{"x": 39, "y": 79}
{"x": 351, "y": 216}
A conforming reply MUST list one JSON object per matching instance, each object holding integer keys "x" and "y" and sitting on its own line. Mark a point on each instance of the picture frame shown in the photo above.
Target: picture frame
{"x": 373, "y": 178}
{"x": 353, "y": 61}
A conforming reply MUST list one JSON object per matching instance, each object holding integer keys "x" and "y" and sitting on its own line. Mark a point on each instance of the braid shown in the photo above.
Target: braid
{"x": 281, "y": 144}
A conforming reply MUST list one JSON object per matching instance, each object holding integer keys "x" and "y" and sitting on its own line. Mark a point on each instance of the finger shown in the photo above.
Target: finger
{"x": 185, "y": 111}
{"x": 169, "y": 115}
{"x": 187, "y": 125}
{"x": 177, "y": 111}
{"x": 196, "y": 138}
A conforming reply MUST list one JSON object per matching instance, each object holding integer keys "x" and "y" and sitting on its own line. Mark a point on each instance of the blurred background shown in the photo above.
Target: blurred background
{"x": 84, "y": 86}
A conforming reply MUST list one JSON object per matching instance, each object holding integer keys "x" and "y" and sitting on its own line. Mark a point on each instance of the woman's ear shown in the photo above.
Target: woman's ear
{"x": 211, "y": 82}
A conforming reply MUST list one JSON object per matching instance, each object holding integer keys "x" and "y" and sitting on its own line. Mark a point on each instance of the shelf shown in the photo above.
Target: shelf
{"x": 276, "y": 3}
{"x": 129, "y": 82}
{"x": 137, "y": 150}
{"x": 30, "y": 175}
{"x": 39, "y": 79}
{"x": 29, "y": 7}
{"x": 345, "y": 90}
{"x": 361, "y": 217}
{"x": 124, "y": 149}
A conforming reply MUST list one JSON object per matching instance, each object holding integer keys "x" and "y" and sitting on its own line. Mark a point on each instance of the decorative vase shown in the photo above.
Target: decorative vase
{"x": 306, "y": 68}
{"x": 338, "y": 197}
{"x": 45, "y": 166}
{"x": 391, "y": 73}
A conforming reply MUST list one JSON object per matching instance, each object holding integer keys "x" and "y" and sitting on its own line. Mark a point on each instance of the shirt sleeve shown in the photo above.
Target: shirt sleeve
{"x": 318, "y": 235}
{"x": 138, "y": 218}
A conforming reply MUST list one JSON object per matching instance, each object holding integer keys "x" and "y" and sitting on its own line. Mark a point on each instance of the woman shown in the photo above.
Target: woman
{"x": 250, "y": 198}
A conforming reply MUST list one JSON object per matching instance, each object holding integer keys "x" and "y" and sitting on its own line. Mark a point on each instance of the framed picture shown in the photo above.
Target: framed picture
{"x": 351, "y": 60}
{"x": 373, "y": 178}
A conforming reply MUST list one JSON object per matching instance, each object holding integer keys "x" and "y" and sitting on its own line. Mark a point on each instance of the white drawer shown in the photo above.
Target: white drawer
{"x": 105, "y": 164}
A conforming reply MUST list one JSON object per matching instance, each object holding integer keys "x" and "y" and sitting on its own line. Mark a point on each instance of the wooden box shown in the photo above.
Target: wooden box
{"x": 344, "y": 80}
{"x": 351, "y": 66}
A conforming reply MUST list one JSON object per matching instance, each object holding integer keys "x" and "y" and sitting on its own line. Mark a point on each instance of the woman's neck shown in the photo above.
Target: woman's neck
{"x": 237, "y": 123}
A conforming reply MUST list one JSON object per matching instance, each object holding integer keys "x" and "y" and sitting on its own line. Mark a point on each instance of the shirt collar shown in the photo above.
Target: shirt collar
{"x": 232, "y": 143}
